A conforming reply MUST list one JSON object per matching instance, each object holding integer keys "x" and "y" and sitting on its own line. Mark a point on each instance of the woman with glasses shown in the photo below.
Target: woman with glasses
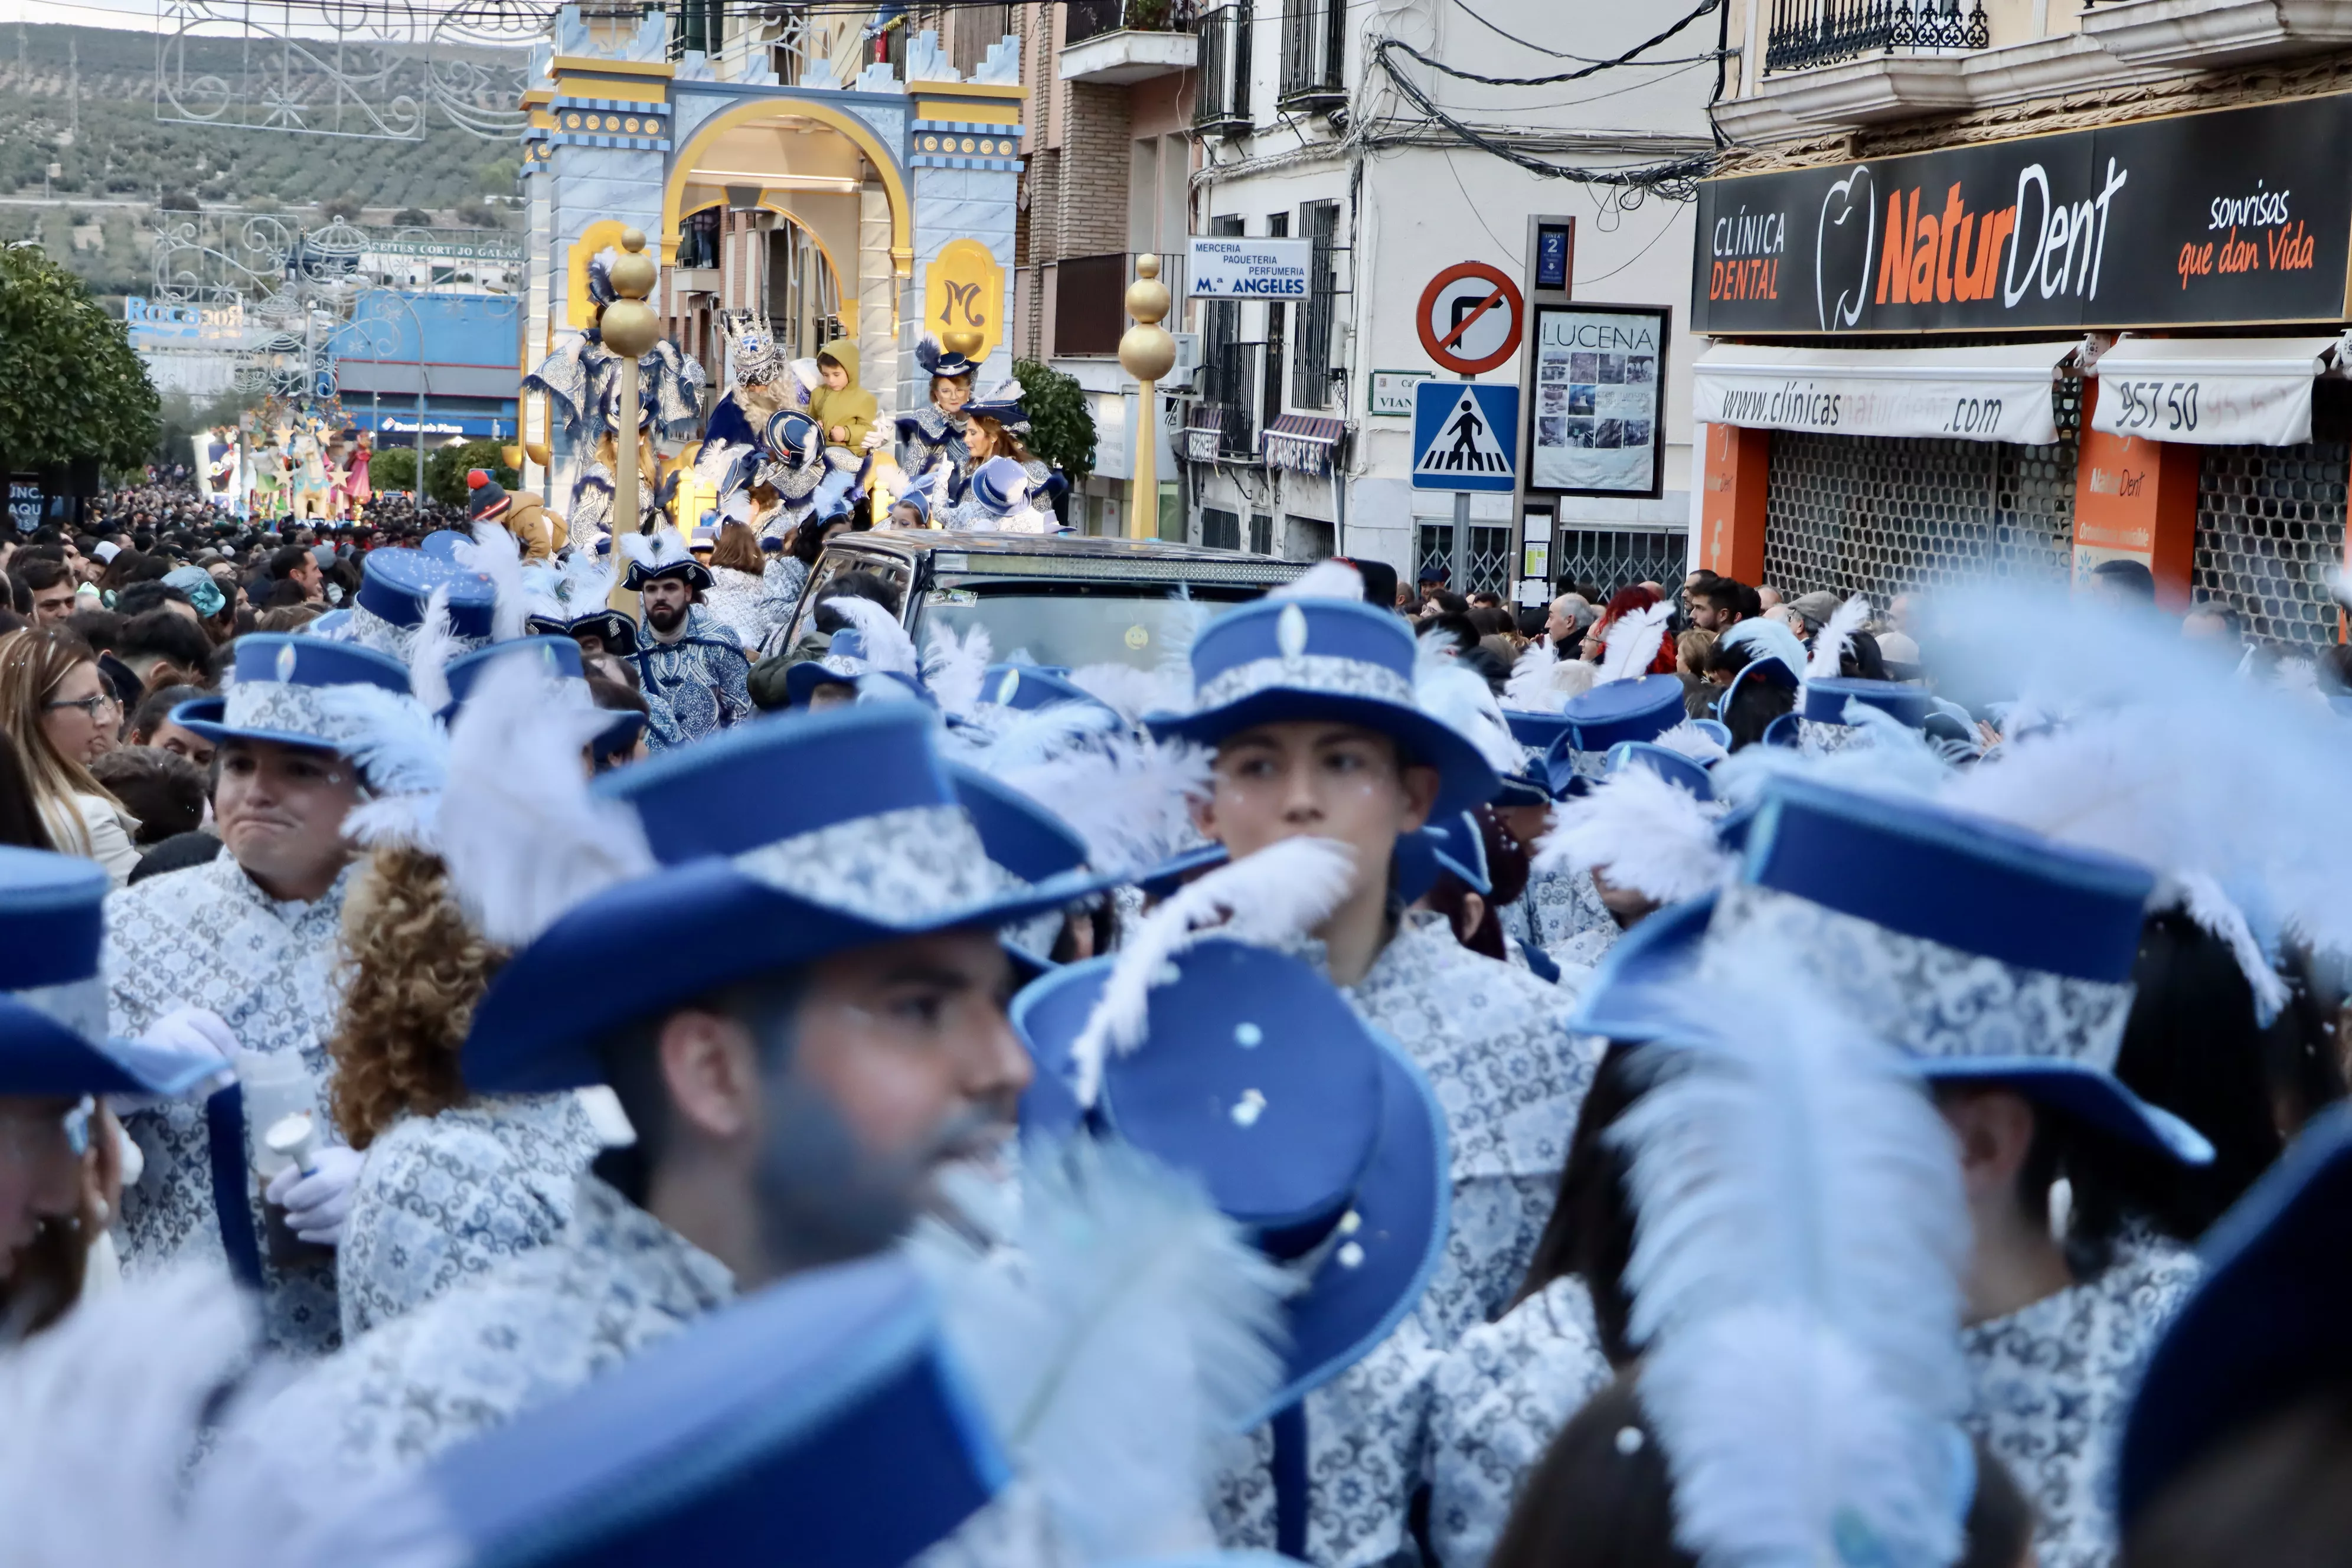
{"x": 62, "y": 715}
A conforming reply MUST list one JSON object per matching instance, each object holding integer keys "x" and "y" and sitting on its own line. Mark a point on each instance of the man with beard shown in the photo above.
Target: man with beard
{"x": 795, "y": 1078}
{"x": 694, "y": 678}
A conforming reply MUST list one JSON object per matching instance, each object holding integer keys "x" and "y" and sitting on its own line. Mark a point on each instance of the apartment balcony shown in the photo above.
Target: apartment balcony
{"x": 1220, "y": 106}
{"x": 1808, "y": 34}
{"x": 1314, "y": 55}
{"x": 1116, "y": 43}
{"x": 2201, "y": 35}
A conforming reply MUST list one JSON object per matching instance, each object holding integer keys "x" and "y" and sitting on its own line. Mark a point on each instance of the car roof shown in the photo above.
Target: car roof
{"x": 925, "y": 541}
{"x": 1071, "y": 556}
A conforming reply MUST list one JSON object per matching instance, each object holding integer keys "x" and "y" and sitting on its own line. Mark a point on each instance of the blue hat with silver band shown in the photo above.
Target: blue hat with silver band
{"x": 1821, "y": 712}
{"x": 1664, "y": 760}
{"x": 559, "y": 659}
{"x": 1283, "y": 660}
{"x": 1308, "y": 1129}
{"x": 396, "y": 586}
{"x": 870, "y": 845}
{"x": 53, "y": 1008}
{"x": 821, "y": 1420}
{"x": 1986, "y": 954}
{"x": 1642, "y": 708}
{"x": 282, "y": 691}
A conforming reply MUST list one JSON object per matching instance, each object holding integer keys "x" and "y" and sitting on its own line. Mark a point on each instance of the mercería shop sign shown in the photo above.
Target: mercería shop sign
{"x": 2236, "y": 216}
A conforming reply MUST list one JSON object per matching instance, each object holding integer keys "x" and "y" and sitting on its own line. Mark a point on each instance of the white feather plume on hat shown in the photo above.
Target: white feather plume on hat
{"x": 1460, "y": 698}
{"x": 1632, "y": 646}
{"x": 1642, "y": 831}
{"x": 1835, "y": 637}
{"x": 1795, "y": 1276}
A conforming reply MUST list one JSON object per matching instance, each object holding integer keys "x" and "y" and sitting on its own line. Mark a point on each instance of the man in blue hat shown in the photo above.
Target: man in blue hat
{"x": 1321, "y": 728}
{"x": 694, "y": 676}
{"x": 251, "y": 938}
{"x": 796, "y": 1077}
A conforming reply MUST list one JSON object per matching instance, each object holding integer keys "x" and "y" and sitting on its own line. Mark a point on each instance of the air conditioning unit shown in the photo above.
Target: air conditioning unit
{"x": 1186, "y": 371}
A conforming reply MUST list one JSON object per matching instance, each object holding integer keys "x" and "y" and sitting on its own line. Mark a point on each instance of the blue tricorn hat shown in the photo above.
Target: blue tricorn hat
{"x": 1872, "y": 893}
{"x": 280, "y": 689}
{"x": 1525, "y": 787}
{"x": 870, "y": 845}
{"x": 2265, "y": 1329}
{"x": 1457, "y": 844}
{"x": 394, "y": 587}
{"x": 53, "y": 1006}
{"x": 937, "y": 360}
{"x": 559, "y": 658}
{"x": 999, "y": 485}
{"x": 821, "y": 1420}
{"x": 1028, "y": 841}
{"x": 1534, "y": 730}
{"x": 1821, "y": 712}
{"x": 1277, "y": 661}
{"x": 1664, "y": 760}
{"x": 1308, "y": 1128}
{"x": 1640, "y": 709}
{"x": 1178, "y": 869}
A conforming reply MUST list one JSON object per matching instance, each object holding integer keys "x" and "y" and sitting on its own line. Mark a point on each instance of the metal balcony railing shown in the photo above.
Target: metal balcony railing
{"x": 1314, "y": 53}
{"x": 1807, "y": 34}
{"x": 1222, "y": 105}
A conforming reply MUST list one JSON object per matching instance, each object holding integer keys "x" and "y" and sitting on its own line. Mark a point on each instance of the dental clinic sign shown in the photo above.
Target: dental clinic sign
{"x": 2235, "y": 216}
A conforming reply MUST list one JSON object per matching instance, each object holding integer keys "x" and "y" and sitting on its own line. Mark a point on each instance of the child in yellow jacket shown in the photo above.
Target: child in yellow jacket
{"x": 842, "y": 409}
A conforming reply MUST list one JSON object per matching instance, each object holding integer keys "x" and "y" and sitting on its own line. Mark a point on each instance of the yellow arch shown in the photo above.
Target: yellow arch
{"x": 894, "y": 187}
{"x": 593, "y": 238}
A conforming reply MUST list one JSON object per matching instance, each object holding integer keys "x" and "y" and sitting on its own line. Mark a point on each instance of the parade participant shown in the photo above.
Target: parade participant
{"x": 797, "y": 1082}
{"x": 397, "y": 587}
{"x": 693, "y": 675}
{"x": 521, "y": 514}
{"x": 999, "y": 499}
{"x": 998, "y": 427}
{"x": 571, "y": 598}
{"x": 737, "y": 596}
{"x": 58, "y": 711}
{"x": 250, "y": 937}
{"x": 60, "y": 1171}
{"x": 933, "y": 436}
{"x": 2000, "y": 961}
{"x": 454, "y": 1183}
{"x": 1318, "y": 1135}
{"x": 842, "y": 410}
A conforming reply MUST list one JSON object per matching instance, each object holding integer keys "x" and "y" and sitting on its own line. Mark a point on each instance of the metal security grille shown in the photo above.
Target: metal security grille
{"x": 1882, "y": 515}
{"x": 1610, "y": 559}
{"x": 1489, "y": 568}
{"x": 2270, "y": 523}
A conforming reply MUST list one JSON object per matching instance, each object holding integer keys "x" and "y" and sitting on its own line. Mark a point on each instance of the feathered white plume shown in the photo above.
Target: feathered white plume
{"x": 1644, "y": 833}
{"x": 955, "y": 670}
{"x": 1128, "y": 796}
{"x": 1325, "y": 580}
{"x": 2167, "y": 757}
{"x": 735, "y": 508}
{"x": 1460, "y": 699}
{"x": 1134, "y": 692}
{"x": 1011, "y": 739}
{"x": 1283, "y": 891}
{"x": 1530, "y": 689}
{"x": 889, "y": 649}
{"x": 1686, "y": 739}
{"x": 1798, "y": 1237}
{"x": 1894, "y": 760}
{"x": 428, "y": 660}
{"x": 1136, "y": 1331}
{"x": 523, "y": 838}
{"x": 1633, "y": 645}
{"x": 665, "y": 546}
{"x": 497, "y": 555}
{"x": 2201, "y": 898}
{"x": 1829, "y": 647}
{"x": 403, "y": 752}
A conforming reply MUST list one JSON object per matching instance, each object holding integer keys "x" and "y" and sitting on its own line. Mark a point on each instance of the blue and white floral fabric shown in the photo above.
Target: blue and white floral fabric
{"x": 1562, "y": 912}
{"x": 209, "y": 937}
{"x": 444, "y": 1200}
{"x": 2052, "y": 1383}
{"x": 696, "y": 686}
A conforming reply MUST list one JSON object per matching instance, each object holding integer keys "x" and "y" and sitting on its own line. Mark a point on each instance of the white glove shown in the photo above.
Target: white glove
{"x": 319, "y": 1200}
{"x": 181, "y": 1037}
{"x": 876, "y": 438}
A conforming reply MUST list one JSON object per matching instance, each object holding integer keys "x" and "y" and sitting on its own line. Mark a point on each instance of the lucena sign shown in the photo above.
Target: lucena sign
{"x": 2236, "y": 216}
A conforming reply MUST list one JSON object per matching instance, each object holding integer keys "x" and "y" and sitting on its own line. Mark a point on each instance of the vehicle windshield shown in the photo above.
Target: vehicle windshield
{"x": 1077, "y": 623}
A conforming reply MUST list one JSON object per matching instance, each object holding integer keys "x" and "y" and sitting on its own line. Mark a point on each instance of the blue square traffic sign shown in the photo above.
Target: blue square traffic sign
{"x": 1465, "y": 436}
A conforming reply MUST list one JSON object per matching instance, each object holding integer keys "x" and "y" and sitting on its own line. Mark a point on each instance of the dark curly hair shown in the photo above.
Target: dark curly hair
{"x": 416, "y": 971}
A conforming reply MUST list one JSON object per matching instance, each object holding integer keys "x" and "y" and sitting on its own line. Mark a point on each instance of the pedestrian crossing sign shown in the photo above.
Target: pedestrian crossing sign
{"x": 1465, "y": 436}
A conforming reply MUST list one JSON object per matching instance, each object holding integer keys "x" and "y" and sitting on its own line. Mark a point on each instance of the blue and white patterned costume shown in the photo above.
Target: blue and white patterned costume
{"x": 1495, "y": 1044}
{"x": 738, "y": 601}
{"x": 696, "y": 686}
{"x": 1498, "y": 1399}
{"x": 443, "y": 1200}
{"x": 209, "y": 937}
{"x": 1562, "y": 912}
{"x": 927, "y": 439}
{"x": 2052, "y": 1383}
{"x": 615, "y": 1281}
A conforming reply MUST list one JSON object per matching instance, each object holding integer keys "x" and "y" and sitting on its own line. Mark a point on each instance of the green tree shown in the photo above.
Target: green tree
{"x": 76, "y": 389}
{"x": 1061, "y": 423}
{"x": 346, "y": 207}
{"x": 445, "y": 469}
{"x": 393, "y": 469}
{"x": 412, "y": 217}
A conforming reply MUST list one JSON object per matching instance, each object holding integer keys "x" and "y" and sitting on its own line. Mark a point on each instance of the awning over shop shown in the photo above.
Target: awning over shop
{"x": 2212, "y": 391}
{"x": 1197, "y": 441}
{"x": 1998, "y": 394}
{"x": 1301, "y": 443}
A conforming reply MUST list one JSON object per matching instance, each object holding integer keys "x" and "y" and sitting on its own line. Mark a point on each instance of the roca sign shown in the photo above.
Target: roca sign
{"x": 2229, "y": 217}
